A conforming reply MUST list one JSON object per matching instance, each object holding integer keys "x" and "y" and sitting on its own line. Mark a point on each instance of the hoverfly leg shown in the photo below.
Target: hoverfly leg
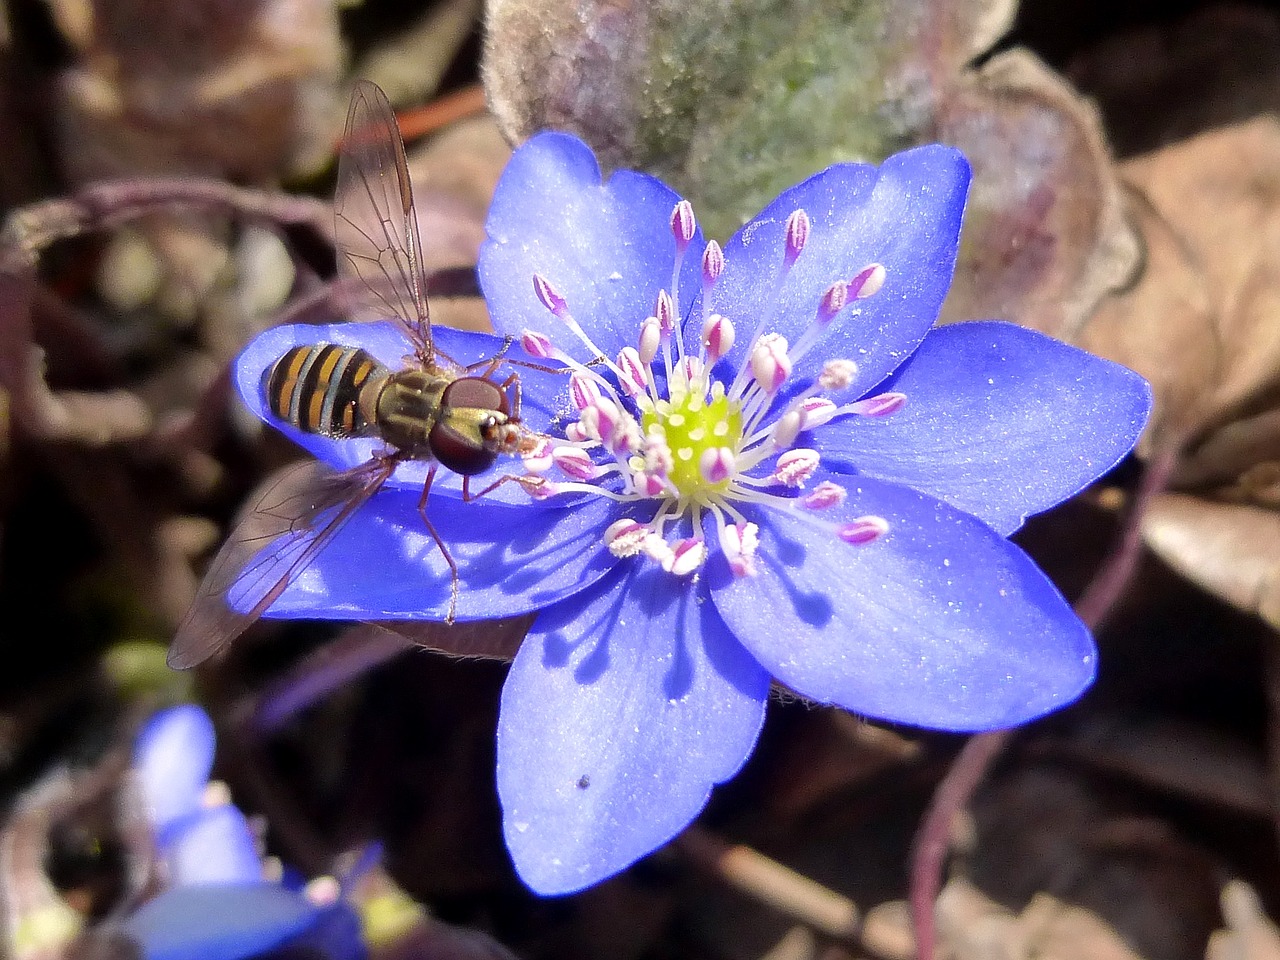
{"x": 490, "y": 364}
{"x": 512, "y": 383}
{"x": 444, "y": 549}
{"x": 526, "y": 482}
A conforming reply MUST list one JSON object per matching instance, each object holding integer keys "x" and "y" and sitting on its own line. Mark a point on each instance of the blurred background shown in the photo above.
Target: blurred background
{"x": 166, "y": 172}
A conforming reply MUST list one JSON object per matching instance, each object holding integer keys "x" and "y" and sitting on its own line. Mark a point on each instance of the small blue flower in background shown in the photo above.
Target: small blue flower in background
{"x": 760, "y": 462}
{"x": 216, "y": 904}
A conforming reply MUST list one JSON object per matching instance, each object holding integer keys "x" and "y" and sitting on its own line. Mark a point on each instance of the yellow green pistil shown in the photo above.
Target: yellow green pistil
{"x": 691, "y": 425}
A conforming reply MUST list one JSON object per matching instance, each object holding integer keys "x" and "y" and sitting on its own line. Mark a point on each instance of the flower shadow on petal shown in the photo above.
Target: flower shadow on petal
{"x": 812, "y": 605}
{"x": 622, "y": 709}
{"x": 941, "y": 622}
{"x": 385, "y": 565}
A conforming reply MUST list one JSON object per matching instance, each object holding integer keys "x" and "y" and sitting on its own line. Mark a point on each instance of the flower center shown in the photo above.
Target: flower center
{"x": 696, "y": 430}
{"x": 655, "y": 424}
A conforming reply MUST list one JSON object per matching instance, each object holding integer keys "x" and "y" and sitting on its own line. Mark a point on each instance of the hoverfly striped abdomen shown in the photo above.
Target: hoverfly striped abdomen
{"x": 317, "y": 388}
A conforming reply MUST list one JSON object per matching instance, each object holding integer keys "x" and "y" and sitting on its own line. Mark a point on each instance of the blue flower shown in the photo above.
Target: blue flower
{"x": 761, "y": 462}
{"x": 215, "y": 904}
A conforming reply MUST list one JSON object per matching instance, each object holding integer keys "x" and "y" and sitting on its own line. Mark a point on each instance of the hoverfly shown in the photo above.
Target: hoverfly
{"x": 434, "y": 410}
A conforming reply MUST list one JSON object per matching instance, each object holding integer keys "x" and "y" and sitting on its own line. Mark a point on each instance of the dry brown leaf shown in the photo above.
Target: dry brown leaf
{"x": 251, "y": 97}
{"x": 1250, "y": 934}
{"x": 1201, "y": 325}
{"x": 1045, "y": 236}
{"x": 454, "y": 177}
{"x": 975, "y": 927}
{"x": 410, "y": 65}
{"x": 1052, "y": 831}
{"x": 1231, "y": 550}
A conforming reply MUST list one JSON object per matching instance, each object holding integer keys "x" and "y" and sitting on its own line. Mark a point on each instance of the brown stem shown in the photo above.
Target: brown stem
{"x": 1107, "y": 586}
{"x": 771, "y": 883}
{"x": 102, "y": 206}
{"x": 980, "y": 752}
{"x": 931, "y": 843}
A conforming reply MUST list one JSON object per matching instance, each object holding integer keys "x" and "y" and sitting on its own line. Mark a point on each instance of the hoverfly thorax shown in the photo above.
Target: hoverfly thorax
{"x": 406, "y": 409}
{"x": 463, "y": 423}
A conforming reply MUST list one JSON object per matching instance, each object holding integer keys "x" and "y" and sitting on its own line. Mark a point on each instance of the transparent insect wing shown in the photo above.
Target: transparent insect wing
{"x": 379, "y": 251}
{"x": 294, "y": 517}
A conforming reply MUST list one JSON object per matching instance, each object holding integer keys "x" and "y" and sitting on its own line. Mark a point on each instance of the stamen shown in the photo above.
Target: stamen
{"x": 683, "y": 225}
{"x": 665, "y": 311}
{"x": 832, "y": 302}
{"x": 625, "y": 538}
{"x": 716, "y": 464}
{"x": 542, "y": 489}
{"x": 712, "y": 267}
{"x": 825, "y": 495}
{"x": 537, "y": 345}
{"x": 635, "y": 373}
{"x": 717, "y": 336}
{"x": 626, "y": 437}
{"x": 794, "y": 467}
{"x": 649, "y": 484}
{"x": 867, "y": 282}
{"x": 797, "y": 236}
{"x": 863, "y": 530}
{"x": 609, "y": 414}
{"x": 691, "y": 369}
{"x": 786, "y": 430}
{"x": 539, "y": 458}
{"x": 685, "y": 557}
{"x": 657, "y": 549}
{"x": 650, "y": 339}
{"x": 881, "y": 405}
{"x": 739, "y": 541}
{"x": 548, "y": 295}
{"x": 658, "y": 459}
{"x": 770, "y": 364}
{"x": 575, "y": 462}
{"x": 552, "y": 300}
{"x": 712, "y": 264}
{"x": 584, "y": 392}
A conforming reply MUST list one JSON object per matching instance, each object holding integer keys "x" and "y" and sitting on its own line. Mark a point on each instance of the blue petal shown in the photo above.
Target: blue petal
{"x": 1001, "y": 422}
{"x": 940, "y": 623}
{"x": 624, "y": 706}
{"x": 606, "y": 248}
{"x": 172, "y": 758}
{"x": 214, "y": 845}
{"x": 218, "y": 923}
{"x": 336, "y": 934}
{"x": 544, "y": 395}
{"x": 905, "y": 215}
{"x": 385, "y": 565}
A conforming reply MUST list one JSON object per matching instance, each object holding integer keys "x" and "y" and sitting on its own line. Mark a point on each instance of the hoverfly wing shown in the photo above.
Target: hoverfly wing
{"x": 377, "y": 228}
{"x": 294, "y": 517}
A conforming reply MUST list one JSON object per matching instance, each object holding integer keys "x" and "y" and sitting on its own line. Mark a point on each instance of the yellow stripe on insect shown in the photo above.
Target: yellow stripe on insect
{"x": 284, "y": 398}
{"x": 316, "y": 405}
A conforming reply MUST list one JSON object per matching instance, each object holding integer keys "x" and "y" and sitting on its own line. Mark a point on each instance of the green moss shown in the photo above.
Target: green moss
{"x": 749, "y": 97}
